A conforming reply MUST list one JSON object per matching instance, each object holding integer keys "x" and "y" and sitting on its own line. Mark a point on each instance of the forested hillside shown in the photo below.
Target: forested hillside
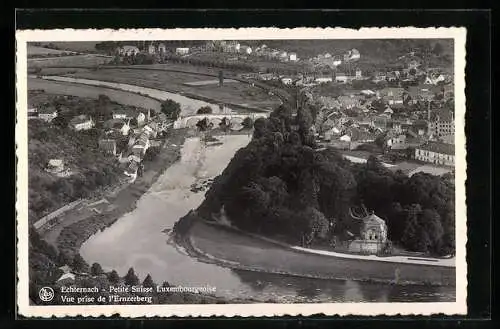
{"x": 279, "y": 185}
{"x": 90, "y": 168}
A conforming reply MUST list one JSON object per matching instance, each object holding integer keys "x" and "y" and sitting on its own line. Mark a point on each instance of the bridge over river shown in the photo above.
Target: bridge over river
{"x": 192, "y": 120}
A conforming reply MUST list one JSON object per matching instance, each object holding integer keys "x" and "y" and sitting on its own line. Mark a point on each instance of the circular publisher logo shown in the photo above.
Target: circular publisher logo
{"x": 46, "y": 294}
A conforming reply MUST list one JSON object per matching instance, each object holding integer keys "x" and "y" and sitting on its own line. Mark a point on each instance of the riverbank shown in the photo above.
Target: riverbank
{"x": 236, "y": 250}
{"x": 73, "y": 236}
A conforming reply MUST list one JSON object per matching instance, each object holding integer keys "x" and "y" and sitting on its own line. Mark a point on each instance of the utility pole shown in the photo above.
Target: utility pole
{"x": 297, "y": 98}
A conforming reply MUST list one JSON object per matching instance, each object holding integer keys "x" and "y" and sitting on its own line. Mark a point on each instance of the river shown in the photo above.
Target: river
{"x": 136, "y": 240}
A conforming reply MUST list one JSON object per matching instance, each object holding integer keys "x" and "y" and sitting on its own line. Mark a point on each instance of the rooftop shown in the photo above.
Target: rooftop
{"x": 442, "y": 115}
{"x": 79, "y": 119}
{"x": 127, "y": 47}
{"x": 438, "y": 147}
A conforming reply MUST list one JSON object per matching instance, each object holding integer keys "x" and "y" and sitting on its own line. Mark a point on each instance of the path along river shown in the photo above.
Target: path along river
{"x": 189, "y": 106}
{"x": 137, "y": 240}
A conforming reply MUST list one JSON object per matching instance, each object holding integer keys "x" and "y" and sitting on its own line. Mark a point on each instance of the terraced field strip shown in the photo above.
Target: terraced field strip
{"x": 72, "y": 89}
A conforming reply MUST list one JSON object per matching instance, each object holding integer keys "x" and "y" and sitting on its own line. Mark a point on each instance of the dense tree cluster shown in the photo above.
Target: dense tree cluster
{"x": 204, "y": 110}
{"x": 171, "y": 108}
{"x": 281, "y": 185}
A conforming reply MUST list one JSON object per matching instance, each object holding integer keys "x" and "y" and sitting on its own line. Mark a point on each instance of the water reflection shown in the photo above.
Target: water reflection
{"x": 297, "y": 289}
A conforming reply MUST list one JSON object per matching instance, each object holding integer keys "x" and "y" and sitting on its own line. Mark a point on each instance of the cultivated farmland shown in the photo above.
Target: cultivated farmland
{"x": 68, "y": 61}
{"x": 37, "y": 51}
{"x": 230, "y": 93}
{"x": 118, "y": 96}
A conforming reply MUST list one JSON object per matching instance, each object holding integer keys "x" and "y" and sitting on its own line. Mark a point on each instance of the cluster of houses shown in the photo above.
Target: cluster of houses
{"x": 235, "y": 47}
{"x": 413, "y": 73}
{"x": 325, "y": 68}
{"x": 152, "y": 48}
{"x": 47, "y": 114}
{"x": 350, "y": 120}
{"x": 139, "y": 139}
{"x": 333, "y": 61}
{"x": 138, "y": 127}
{"x": 310, "y": 79}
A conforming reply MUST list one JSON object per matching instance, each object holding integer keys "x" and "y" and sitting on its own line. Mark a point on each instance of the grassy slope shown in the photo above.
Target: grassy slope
{"x": 121, "y": 97}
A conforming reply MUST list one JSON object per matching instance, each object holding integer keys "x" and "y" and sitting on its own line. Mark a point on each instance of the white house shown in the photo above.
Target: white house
{"x": 82, "y": 122}
{"x": 55, "y": 166}
{"x": 182, "y": 51}
{"x": 368, "y": 92}
{"x": 230, "y": 46}
{"x": 323, "y": 79}
{"x": 125, "y": 128}
{"x": 286, "y": 81}
{"x": 128, "y": 50}
{"x": 32, "y": 112}
{"x": 436, "y": 152}
{"x": 121, "y": 114}
{"x": 47, "y": 114}
{"x": 246, "y": 49}
{"x": 108, "y": 146}
{"x": 334, "y": 131}
{"x": 352, "y": 55}
{"x": 292, "y": 57}
{"x": 141, "y": 117}
{"x": 434, "y": 80}
{"x": 162, "y": 49}
{"x": 359, "y": 74}
{"x": 345, "y": 138}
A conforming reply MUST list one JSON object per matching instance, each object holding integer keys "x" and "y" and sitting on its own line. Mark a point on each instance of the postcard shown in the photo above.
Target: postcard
{"x": 241, "y": 172}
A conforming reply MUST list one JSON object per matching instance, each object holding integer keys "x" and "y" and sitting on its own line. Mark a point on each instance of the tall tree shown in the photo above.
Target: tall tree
{"x": 130, "y": 278}
{"x": 171, "y": 108}
{"x": 79, "y": 263}
{"x": 96, "y": 269}
{"x": 148, "y": 281}
{"x": 113, "y": 277}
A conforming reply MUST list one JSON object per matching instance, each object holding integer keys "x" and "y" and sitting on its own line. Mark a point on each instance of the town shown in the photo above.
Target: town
{"x": 405, "y": 112}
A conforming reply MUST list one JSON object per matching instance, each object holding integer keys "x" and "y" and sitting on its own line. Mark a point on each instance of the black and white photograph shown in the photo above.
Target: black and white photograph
{"x": 241, "y": 169}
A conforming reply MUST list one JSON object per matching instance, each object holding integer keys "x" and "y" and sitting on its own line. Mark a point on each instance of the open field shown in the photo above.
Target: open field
{"x": 231, "y": 93}
{"x": 35, "y": 50}
{"x": 78, "y": 46}
{"x": 74, "y": 60}
{"x": 118, "y": 96}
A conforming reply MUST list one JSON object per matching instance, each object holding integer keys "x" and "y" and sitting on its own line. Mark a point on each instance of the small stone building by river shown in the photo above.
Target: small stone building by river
{"x": 372, "y": 234}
